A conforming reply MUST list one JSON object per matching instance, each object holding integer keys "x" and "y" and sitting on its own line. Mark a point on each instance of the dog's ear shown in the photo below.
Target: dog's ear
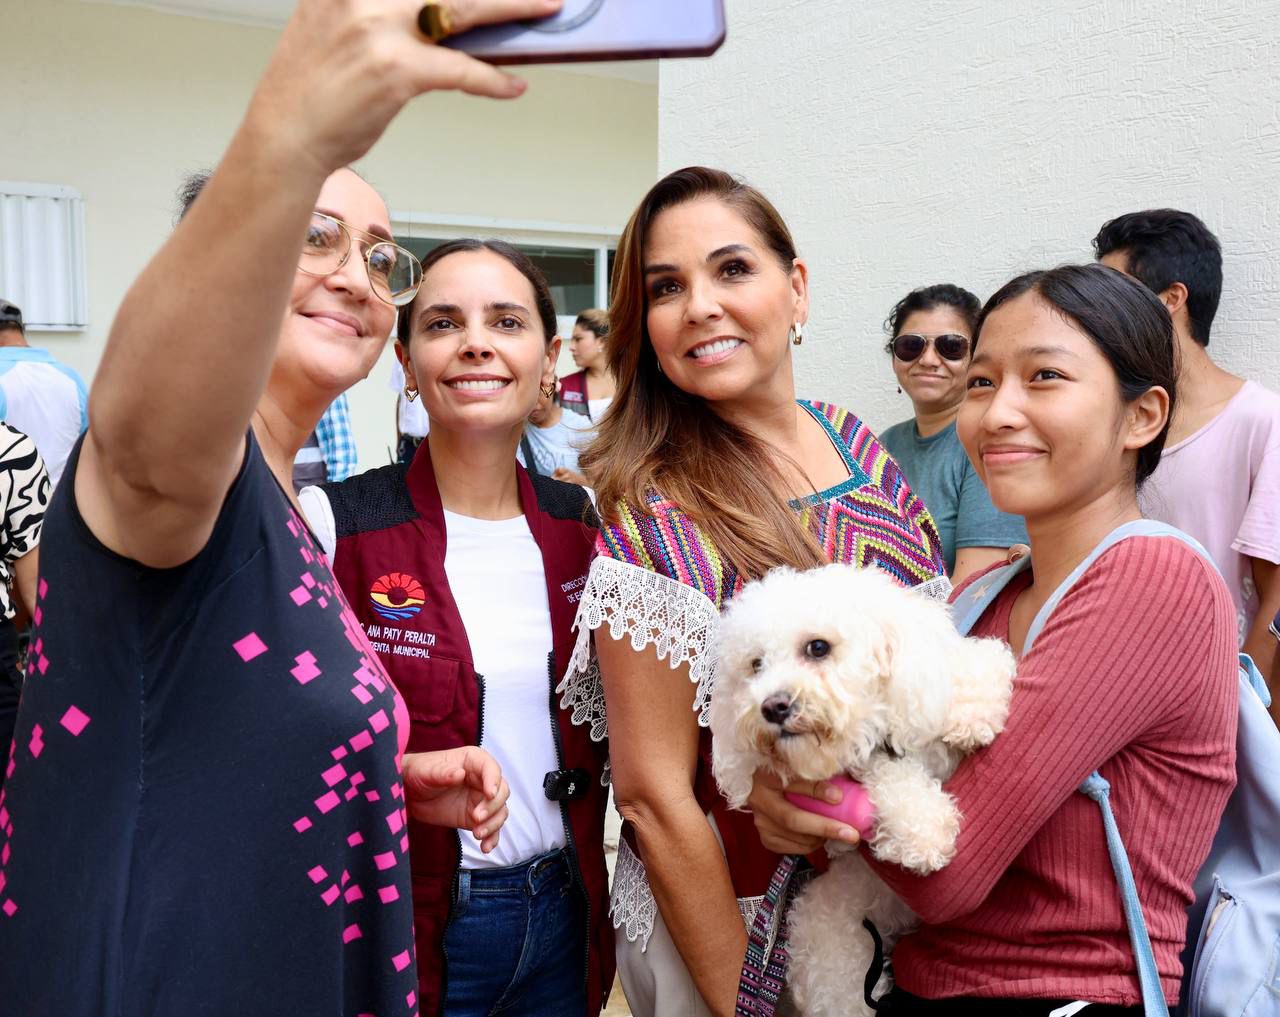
{"x": 734, "y": 771}
{"x": 733, "y": 764}
{"x": 915, "y": 677}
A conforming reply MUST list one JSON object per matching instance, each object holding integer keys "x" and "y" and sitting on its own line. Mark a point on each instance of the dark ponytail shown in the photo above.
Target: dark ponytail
{"x": 1125, "y": 320}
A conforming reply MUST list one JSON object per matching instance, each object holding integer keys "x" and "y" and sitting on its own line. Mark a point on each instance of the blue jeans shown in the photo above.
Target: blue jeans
{"x": 515, "y": 944}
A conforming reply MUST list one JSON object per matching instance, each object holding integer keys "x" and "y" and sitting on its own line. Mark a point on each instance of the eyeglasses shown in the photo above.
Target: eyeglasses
{"x": 911, "y": 345}
{"x": 394, "y": 273}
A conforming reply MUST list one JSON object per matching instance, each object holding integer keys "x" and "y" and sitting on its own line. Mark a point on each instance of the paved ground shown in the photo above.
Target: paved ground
{"x": 617, "y": 1003}
{"x": 612, "y": 830}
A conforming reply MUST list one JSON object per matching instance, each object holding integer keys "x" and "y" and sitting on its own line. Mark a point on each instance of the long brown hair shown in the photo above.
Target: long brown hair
{"x": 657, "y": 437}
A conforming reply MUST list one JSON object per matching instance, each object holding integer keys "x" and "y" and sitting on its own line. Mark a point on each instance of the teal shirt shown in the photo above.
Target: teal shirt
{"x": 941, "y": 475}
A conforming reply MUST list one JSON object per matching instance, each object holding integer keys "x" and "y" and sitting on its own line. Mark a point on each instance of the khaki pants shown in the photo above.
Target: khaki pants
{"x": 656, "y": 982}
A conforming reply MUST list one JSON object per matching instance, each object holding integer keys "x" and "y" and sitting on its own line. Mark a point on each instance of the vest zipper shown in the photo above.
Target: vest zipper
{"x": 457, "y": 864}
{"x": 575, "y": 865}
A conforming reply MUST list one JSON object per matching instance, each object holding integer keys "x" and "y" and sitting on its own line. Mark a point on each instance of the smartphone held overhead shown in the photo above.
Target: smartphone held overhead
{"x": 589, "y": 30}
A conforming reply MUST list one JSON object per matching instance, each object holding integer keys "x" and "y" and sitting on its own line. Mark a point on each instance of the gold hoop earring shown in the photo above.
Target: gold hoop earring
{"x": 410, "y": 393}
{"x": 797, "y": 334}
{"x": 548, "y": 391}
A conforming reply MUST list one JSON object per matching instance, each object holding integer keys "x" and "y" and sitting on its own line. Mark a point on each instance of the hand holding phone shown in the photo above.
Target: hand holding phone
{"x": 592, "y": 30}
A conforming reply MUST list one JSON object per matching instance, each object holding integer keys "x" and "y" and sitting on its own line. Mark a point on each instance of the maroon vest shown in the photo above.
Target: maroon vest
{"x": 573, "y": 393}
{"x": 390, "y": 564}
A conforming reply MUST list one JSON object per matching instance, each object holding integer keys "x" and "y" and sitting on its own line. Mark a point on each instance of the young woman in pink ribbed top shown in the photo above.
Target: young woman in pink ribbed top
{"x": 1069, "y": 397}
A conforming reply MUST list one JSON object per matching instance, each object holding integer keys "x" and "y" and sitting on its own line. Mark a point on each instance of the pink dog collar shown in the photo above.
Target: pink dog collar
{"x": 855, "y": 809}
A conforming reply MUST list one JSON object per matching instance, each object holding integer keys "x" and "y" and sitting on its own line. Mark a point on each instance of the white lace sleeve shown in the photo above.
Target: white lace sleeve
{"x": 937, "y": 588}
{"x": 649, "y": 608}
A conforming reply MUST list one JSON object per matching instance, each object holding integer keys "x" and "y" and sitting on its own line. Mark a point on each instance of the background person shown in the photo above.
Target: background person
{"x": 931, "y": 333}
{"x": 553, "y": 439}
{"x": 24, "y": 496}
{"x": 213, "y": 744}
{"x": 709, "y": 473}
{"x": 39, "y": 395}
{"x": 412, "y": 424}
{"x": 590, "y": 390}
{"x": 329, "y": 453}
{"x": 465, "y": 554}
{"x": 1219, "y": 478}
{"x": 1134, "y": 674}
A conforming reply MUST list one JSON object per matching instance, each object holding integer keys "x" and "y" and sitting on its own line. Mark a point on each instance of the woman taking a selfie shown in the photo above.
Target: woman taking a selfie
{"x": 205, "y": 784}
{"x": 465, "y": 571}
{"x": 710, "y": 300}
{"x": 1133, "y": 674}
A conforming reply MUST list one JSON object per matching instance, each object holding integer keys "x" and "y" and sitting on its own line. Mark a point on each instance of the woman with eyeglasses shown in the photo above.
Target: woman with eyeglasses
{"x": 465, "y": 571}
{"x": 932, "y": 330}
{"x": 208, "y": 787}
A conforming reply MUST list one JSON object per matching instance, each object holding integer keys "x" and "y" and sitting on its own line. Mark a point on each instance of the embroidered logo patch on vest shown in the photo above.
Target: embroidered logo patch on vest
{"x": 397, "y": 596}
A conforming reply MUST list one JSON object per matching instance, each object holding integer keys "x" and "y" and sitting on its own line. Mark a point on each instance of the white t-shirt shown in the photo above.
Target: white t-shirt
{"x": 45, "y": 400}
{"x": 598, "y": 406}
{"x": 559, "y": 444}
{"x": 496, "y": 577}
{"x": 411, "y": 416}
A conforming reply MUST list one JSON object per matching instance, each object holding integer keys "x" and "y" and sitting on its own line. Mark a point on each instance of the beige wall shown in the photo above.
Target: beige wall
{"x": 119, "y": 102}
{"x": 954, "y": 141}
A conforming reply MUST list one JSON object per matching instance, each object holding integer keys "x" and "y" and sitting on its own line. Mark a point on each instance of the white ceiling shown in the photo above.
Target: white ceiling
{"x": 274, "y": 13}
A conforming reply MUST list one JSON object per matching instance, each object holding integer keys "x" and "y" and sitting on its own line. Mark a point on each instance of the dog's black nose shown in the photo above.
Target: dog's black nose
{"x": 777, "y": 708}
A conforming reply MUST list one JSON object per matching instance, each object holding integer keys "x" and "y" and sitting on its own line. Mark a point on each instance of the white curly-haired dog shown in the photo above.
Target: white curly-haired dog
{"x": 841, "y": 670}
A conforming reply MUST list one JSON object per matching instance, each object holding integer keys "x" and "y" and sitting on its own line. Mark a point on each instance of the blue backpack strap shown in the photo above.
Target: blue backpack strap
{"x": 1153, "y": 1003}
{"x": 1096, "y": 786}
{"x": 1256, "y": 681}
{"x": 972, "y": 602}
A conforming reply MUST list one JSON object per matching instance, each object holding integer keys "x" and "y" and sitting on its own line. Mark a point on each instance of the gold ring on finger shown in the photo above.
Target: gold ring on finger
{"x": 435, "y": 21}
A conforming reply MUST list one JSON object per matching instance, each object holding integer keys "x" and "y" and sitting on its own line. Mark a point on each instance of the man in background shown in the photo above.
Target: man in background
{"x": 329, "y": 454}
{"x": 1219, "y": 476}
{"x": 40, "y": 396}
{"x": 24, "y": 496}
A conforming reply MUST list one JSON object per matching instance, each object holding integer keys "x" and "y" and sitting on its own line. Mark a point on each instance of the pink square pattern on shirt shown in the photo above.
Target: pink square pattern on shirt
{"x": 371, "y": 681}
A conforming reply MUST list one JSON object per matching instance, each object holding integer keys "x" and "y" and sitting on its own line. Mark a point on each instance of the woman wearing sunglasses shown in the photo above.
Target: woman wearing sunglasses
{"x": 205, "y": 809}
{"x": 932, "y": 329}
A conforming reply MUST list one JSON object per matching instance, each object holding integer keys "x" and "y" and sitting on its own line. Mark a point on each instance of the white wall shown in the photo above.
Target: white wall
{"x": 120, "y": 102}
{"x": 957, "y": 141}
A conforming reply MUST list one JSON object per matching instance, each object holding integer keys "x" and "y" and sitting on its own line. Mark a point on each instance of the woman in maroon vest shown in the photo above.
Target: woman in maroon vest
{"x": 589, "y": 391}
{"x": 466, "y": 572}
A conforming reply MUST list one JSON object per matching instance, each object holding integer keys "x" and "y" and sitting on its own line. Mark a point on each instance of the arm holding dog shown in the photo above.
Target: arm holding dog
{"x": 1095, "y": 683}
{"x": 653, "y": 746}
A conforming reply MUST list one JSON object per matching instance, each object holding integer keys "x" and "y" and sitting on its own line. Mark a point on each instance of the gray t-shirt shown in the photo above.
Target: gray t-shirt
{"x": 940, "y": 473}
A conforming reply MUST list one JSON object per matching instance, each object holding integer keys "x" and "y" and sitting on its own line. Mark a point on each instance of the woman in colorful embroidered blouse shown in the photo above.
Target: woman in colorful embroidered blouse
{"x": 708, "y": 472}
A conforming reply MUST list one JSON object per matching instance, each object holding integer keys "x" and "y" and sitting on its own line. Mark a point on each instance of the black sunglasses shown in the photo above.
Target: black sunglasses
{"x": 911, "y": 345}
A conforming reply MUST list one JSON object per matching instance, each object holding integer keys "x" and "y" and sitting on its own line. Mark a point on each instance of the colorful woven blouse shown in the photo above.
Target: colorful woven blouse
{"x": 658, "y": 580}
